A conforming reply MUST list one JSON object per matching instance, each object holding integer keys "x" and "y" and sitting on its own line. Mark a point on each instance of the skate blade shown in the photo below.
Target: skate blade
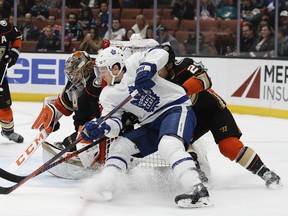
{"x": 202, "y": 202}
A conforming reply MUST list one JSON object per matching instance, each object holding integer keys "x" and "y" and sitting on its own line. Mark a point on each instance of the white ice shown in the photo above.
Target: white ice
{"x": 235, "y": 191}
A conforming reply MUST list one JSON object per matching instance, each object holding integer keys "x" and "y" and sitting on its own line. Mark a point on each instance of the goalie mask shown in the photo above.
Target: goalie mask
{"x": 78, "y": 67}
{"x": 108, "y": 58}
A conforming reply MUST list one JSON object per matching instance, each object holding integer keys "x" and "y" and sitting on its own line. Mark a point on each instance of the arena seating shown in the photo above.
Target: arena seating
{"x": 216, "y": 31}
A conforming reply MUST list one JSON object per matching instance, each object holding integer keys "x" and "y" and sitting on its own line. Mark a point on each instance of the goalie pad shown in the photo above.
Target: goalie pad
{"x": 48, "y": 117}
{"x": 71, "y": 169}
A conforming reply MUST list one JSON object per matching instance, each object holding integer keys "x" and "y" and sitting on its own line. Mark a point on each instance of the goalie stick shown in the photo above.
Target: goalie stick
{"x": 16, "y": 165}
{"x": 8, "y": 190}
{"x": 16, "y": 178}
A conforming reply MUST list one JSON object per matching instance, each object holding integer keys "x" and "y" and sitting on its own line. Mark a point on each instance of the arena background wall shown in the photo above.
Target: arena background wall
{"x": 249, "y": 86}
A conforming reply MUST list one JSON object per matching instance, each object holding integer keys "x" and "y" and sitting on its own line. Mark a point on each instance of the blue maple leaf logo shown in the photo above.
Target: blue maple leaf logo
{"x": 148, "y": 101}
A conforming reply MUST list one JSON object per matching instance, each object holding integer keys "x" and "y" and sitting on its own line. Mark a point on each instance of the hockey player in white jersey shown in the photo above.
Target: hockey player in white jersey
{"x": 165, "y": 116}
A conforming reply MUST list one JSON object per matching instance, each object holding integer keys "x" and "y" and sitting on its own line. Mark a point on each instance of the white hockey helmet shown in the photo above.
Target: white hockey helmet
{"x": 78, "y": 67}
{"x": 136, "y": 37}
{"x": 108, "y": 58}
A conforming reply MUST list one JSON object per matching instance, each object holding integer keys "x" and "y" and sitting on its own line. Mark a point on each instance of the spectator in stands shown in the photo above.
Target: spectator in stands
{"x": 48, "y": 41}
{"x": 128, "y": 34}
{"x": 207, "y": 10}
{"x": 68, "y": 45}
{"x": 91, "y": 42}
{"x": 53, "y": 3}
{"x": 149, "y": 32}
{"x": 158, "y": 26}
{"x": 249, "y": 12}
{"x": 6, "y": 7}
{"x": 11, "y": 19}
{"x": 29, "y": 29}
{"x": 141, "y": 25}
{"x": 128, "y": 4}
{"x": 98, "y": 23}
{"x": 282, "y": 41}
{"x": 265, "y": 20}
{"x": 73, "y": 28}
{"x": 283, "y": 19}
{"x": 227, "y": 10}
{"x": 248, "y": 37}
{"x": 206, "y": 47}
{"x": 264, "y": 44}
{"x": 182, "y": 9}
{"x": 40, "y": 11}
{"x": 90, "y": 3}
{"x": 104, "y": 12}
{"x": 118, "y": 32}
{"x": 173, "y": 2}
{"x": 165, "y": 37}
{"x": 269, "y": 8}
{"x": 52, "y": 24}
{"x": 85, "y": 18}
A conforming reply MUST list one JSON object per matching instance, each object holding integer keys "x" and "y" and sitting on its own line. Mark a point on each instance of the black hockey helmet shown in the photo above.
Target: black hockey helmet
{"x": 171, "y": 52}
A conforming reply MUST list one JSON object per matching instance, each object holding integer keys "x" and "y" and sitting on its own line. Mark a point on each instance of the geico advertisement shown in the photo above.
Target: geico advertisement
{"x": 38, "y": 73}
{"x": 250, "y": 82}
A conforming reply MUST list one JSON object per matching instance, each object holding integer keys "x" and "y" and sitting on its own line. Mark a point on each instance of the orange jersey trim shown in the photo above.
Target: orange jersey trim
{"x": 193, "y": 86}
{"x": 17, "y": 44}
{"x": 61, "y": 108}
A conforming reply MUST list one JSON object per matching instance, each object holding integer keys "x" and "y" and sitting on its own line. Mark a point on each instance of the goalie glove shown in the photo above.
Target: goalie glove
{"x": 48, "y": 119}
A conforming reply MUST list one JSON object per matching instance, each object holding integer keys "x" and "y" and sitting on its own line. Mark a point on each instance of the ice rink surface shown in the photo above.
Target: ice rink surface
{"x": 234, "y": 191}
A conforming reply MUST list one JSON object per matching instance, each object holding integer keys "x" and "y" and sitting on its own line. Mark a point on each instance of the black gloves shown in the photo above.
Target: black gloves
{"x": 12, "y": 56}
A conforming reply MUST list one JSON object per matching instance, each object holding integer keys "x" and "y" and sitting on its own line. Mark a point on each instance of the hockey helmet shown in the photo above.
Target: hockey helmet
{"x": 136, "y": 37}
{"x": 171, "y": 52}
{"x": 108, "y": 58}
{"x": 78, "y": 67}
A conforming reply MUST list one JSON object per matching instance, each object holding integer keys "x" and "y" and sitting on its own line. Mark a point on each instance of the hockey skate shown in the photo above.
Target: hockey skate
{"x": 101, "y": 187}
{"x": 272, "y": 180}
{"x": 199, "y": 197}
{"x": 12, "y": 136}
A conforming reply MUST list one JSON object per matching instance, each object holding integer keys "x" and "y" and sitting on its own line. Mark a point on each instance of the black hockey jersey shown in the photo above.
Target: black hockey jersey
{"x": 204, "y": 98}
{"x": 10, "y": 36}
{"x": 85, "y": 104}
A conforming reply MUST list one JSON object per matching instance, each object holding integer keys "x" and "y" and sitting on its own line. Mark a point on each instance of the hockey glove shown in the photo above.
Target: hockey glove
{"x": 12, "y": 56}
{"x": 92, "y": 130}
{"x": 48, "y": 119}
{"x": 144, "y": 75}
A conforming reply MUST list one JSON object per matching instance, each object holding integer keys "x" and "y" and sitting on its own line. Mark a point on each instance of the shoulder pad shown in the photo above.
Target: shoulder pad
{"x": 5, "y": 27}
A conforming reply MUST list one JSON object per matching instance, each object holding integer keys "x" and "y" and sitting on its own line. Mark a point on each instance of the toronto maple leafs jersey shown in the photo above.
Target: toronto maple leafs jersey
{"x": 147, "y": 107}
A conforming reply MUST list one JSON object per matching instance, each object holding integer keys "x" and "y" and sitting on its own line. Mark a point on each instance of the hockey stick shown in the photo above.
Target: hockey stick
{"x": 41, "y": 136}
{"x": 16, "y": 178}
{"x": 7, "y": 190}
{"x": 4, "y": 73}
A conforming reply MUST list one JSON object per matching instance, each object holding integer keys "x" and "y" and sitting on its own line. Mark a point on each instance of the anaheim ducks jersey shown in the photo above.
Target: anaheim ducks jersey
{"x": 80, "y": 100}
{"x": 194, "y": 78}
{"x": 10, "y": 36}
